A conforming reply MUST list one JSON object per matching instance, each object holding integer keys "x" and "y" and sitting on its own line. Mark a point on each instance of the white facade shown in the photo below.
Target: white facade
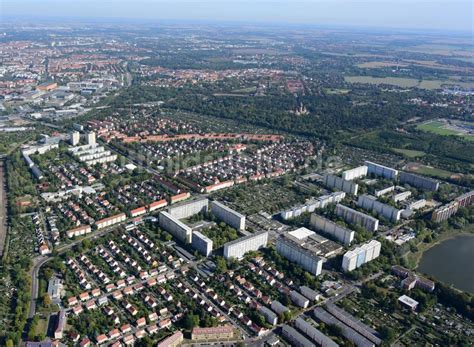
{"x": 176, "y": 228}
{"x": 238, "y": 248}
{"x": 381, "y": 170}
{"x": 301, "y": 256}
{"x": 90, "y": 137}
{"x": 370, "y": 203}
{"x": 75, "y": 138}
{"x": 343, "y": 235}
{"x": 361, "y": 255}
{"x": 333, "y": 181}
{"x": 354, "y": 173}
{"x": 355, "y": 217}
{"x": 228, "y": 215}
{"x": 202, "y": 243}
{"x": 188, "y": 209}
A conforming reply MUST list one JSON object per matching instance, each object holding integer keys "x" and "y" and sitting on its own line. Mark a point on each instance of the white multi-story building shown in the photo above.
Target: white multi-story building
{"x": 354, "y": 173}
{"x": 355, "y": 217}
{"x": 327, "y": 226}
{"x": 295, "y": 248}
{"x": 333, "y": 181}
{"x": 90, "y": 137}
{"x": 75, "y": 138}
{"x": 238, "y": 248}
{"x": 228, "y": 215}
{"x": 381, "y": 170}
{"x": 370, "y": 203}
{"x": 202, "y": 243}
{"x": 175, "y": 227}
{"x": 361, "y": 255}
{"x": 189, "y": 208}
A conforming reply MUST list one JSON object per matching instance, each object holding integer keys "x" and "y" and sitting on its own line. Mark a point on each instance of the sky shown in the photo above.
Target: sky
{"x": 444, "y": 15}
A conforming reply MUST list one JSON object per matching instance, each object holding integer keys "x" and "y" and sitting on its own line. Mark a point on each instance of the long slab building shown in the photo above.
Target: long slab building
{"x": 370, "y": 203}
{"x": 418, "y": 181}
{"x": 313, "y": 333}
{"x": 237, "y": 248}
{"x": 342, "y": 234}
{"x": 307, "y": 249}
{"x": 355, "y": 173}
{"x": 355, "y": 217}
{"x": 189, "y": 208}
{"x": 228, "y": 215}
{"x": 333, "y": 181}
{"x": 175, "y": 227}
{"x": 381, "y": 170}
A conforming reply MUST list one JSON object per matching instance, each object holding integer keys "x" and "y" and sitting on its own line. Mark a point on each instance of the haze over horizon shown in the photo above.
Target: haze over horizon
{"x": 404, "y": 14}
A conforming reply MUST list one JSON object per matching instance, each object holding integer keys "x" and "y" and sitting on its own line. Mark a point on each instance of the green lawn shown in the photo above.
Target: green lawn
{"x": 437, "y": 127}
{"x": 409, "y": 153}
{"x": 429, "y": 171}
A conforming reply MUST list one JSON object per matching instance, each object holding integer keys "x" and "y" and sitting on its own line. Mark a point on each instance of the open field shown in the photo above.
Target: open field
{"x": 336, "y": 91}
{"x": 406, "y": 82}
{"x": 409, "y": 153}
{"x": 429, "y": 170}
{"x": 439, "y": 127}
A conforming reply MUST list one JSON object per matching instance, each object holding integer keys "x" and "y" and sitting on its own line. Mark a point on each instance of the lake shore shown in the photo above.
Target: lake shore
{"x": 414, "y": 258}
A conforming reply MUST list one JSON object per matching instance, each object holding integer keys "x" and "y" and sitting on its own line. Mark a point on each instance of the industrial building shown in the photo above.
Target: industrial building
{"x": 202, "y": 243}
{"x": 381, "y": 170}
{"x": 175, "y": 227}
{"x": 189, "y": 208}
{"x": 327, "y": 226}
{"x": 228, "y": 215}
{"x": 307, "y": 249}
{"x": 355, "y": 217}
{"x": 370, "y": 203}
{"x": 361, "y": 255}
{"x": 420, "y": 182}
{"x": 355, "y": 173}
{"x": 294, "y": 337}
{"x": 238, "y": 248}
{"x": 313, "y": 333}
{"x": 313, "y": 204}
{"x": 332, "y": 181}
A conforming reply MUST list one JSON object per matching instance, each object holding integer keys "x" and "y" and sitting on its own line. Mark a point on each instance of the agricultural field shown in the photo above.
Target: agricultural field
{"x": 406, "y": 82}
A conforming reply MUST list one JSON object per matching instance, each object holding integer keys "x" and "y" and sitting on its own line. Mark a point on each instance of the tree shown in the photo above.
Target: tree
{"x": 190, "y": 321}
{"x": 9, "y": 343}
{"x": 47, "y": 300}
{"x": 221, "y": 265}
{"x": 388, "y": 334}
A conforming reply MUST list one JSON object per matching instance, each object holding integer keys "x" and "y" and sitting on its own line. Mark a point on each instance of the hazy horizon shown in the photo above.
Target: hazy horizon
{"x": 422, "y": 14}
